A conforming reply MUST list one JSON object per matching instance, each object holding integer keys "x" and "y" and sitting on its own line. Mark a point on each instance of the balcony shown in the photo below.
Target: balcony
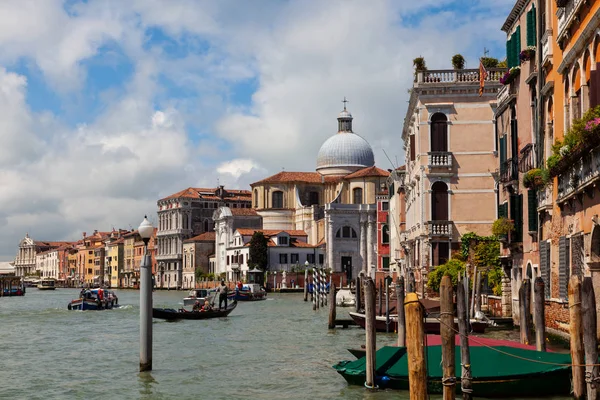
{"x": 446, "y": 76}
{"x": 579, "y": 176}
{"x": 566, "y": 15}
{"x": 526, "y": 158}
{"x": 509, "y": 170}
{"x": 176, "y": 256}
{"x": 544, "y": 197}
{"x": 440, "y": 159}
{"x": 439, "y": 228}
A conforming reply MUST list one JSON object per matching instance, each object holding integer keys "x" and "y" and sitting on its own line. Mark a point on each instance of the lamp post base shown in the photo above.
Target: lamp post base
{"x": 146, "y": 366}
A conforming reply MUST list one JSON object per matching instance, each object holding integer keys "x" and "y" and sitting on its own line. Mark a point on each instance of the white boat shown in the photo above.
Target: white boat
{"x": 345, "y": 298}
{"x": 46, "y": 284}
{"x": 198, "y": 295}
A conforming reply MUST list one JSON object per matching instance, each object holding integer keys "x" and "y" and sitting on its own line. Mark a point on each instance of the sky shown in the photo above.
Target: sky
{"x": 107, "y": 106}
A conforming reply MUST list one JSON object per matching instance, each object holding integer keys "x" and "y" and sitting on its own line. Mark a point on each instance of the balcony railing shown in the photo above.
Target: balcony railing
{"x": 458, "y": 76}
{"x": 169, "y": 256}
{"x": 509, "y": 170}
{"x": 546, "y": 46}
{"x": 544, "y": 197}
{"x": 439, "y": 228}
{"x": 566, "y": 15}
{"x": 441, "y": 159}
{"x": 526, "y": 158}
{"x": 583, "y": 172}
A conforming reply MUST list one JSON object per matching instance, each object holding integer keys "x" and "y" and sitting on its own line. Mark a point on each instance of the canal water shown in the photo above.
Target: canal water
{"x": 274, "y": 349}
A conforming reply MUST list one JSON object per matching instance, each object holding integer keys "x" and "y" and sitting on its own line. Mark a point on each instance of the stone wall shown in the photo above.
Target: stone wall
{"x": 557, "y": 315}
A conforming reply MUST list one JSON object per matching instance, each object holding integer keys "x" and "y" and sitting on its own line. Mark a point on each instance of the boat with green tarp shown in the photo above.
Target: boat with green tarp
{"x": 497, "y": 372}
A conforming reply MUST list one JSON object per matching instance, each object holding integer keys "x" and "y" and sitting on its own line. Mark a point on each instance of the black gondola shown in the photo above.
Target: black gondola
{"x": 172, "y": 314}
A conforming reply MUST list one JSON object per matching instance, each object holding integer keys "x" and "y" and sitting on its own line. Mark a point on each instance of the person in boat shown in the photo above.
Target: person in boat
{"x": 223, "y": 289}
{"x": 240, "y": 285}
{"x": 206, "y": 306}
{"x": 196, "y": 306}
{"x": 82, "y": 293}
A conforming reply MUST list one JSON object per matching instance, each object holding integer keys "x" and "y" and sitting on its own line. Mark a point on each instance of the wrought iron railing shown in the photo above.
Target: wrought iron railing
{"x": 580, "y": 174}
{"x": 526, "y": 158}
{"x": 509, "y": 170}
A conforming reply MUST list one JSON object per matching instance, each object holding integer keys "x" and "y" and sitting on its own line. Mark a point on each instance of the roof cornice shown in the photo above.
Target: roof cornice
{"x": 514, "y": 15}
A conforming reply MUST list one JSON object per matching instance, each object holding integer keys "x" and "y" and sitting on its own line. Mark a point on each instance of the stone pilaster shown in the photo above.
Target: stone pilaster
{"x": 363, "y": 242}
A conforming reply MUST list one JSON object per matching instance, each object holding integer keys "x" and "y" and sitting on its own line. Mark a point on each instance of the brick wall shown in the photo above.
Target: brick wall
{"x": 557, "y": 315}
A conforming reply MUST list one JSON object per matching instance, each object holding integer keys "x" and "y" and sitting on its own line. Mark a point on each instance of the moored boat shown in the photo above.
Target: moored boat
{"x": 201, "y": 295}
{"x": 94, "y": 299}
{"x": 173, "y": 315}
{"x": 47, "y": 284}
{"x": 250, "y": 292}
{"x": 432, "y": 325}
{"x": 345, "y": 298}
{"x": 497, "y": 371}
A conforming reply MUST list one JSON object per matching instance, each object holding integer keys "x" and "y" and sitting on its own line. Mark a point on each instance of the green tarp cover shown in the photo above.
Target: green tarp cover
{"x": 488, "y": 363}
{"x": 385, "y": 357}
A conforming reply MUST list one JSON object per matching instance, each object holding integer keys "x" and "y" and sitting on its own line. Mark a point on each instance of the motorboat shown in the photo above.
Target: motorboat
{"x": 250, "y": 292}
{"x": 94, "y": 299}
{"x": 47, "y": 284}
{"x": 345, "y": 298}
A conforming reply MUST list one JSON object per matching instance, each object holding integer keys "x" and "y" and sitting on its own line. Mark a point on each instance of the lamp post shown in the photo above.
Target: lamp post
{"x": 145, "y": 231}
{"x": 306, "y": 280}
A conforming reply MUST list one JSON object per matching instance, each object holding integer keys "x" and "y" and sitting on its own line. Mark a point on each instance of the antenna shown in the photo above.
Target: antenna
{"x": 389, "y": 159}
{"x": 486, "y": 52}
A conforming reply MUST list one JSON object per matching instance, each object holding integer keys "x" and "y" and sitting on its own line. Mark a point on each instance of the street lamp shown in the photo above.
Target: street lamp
{"x": 306, "y": 280}
{"x": 145, "y": 231}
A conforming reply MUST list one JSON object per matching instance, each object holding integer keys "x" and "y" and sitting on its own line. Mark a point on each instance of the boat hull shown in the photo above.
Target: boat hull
{"x": 174, "y": 315}
{"x": 46, "y": 288}
{"x": 244, "y": 295}
{"x": 432, "y": 325}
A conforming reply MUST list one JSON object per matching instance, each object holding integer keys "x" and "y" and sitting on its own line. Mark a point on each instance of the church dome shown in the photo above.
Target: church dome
{"x": 344, "y": 152}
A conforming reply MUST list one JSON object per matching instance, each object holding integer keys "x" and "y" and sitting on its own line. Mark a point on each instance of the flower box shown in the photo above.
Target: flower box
{"x": 527, "y": 54}
{"x": 509, "y": 76}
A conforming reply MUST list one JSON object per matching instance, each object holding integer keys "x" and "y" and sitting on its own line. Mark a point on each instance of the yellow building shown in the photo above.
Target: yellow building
{"x": 89, "y": 266}
{"x": 114, "y": 258}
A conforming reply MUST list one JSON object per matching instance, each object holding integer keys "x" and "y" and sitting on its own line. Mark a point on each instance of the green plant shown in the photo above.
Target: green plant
{"x": 453, "y": 268}
{"x": 258, "y": 251}
{"x": 491, "y": 62}
{"x": 534, "y": 178}
{"x": 502, "y": 226}
{"x": 502, "y": 64}
{"x": 458, "y": 61}
{"x": 419, "y": 64}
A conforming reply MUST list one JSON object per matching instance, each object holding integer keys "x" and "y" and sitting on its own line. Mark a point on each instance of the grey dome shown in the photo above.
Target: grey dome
{"x": 345, "y": 149}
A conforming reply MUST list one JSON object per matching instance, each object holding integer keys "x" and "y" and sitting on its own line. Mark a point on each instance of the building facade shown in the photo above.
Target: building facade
{"x": 450, "y": 145}
{"x": 186, "y": 214}
{"x": 383, "y": 231}
{"x": 396, "y": 219}
{"x": 196, "y": 252}
{"x": 25, "y": 261}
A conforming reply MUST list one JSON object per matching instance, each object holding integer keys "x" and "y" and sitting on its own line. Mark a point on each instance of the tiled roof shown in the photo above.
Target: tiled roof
{"x": 203, "y": 237}
{"x": 302, "y": 177}
{"x": 52, "y": 244}
{"x": 270, "y": 232}
{"x": 243, "y": 211}
{"x": 195, "y": 193}
{"x": 367, "y": 172}
{"x": 401, "y": 168}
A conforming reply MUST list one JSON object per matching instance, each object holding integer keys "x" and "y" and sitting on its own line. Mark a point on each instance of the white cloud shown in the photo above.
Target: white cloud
{"x": 237, "y": 168}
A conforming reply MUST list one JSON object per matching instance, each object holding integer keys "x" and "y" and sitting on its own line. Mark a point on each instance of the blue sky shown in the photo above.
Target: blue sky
{"x": 107, "y": 106}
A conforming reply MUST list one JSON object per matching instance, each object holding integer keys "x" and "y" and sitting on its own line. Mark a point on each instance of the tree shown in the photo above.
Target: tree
{"x": 454, "y": 268}
{"x": 258, "y": 251}
{"x": 458, "y": 61}
{"x": 489, "y": 62}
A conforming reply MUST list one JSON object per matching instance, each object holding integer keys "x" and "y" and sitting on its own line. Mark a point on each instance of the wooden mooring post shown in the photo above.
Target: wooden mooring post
{"x": 539, "y": 314}
{"x": 590, "y": 341}
{"x": 380, "y": 298}
{"x": 357, "y": 294}
{"x": 332, "y": 307}
{"x": 400, "y": 309}
{"x": 370, "y": 333}
{"x": 447, "y": 334}
{"x": 525, "y": 311}
{"x": 306, "y": 284}
{"x": 576, "y": 337}
{"x": 465, "y": 354}
{"x": 415, "y": 347}
{"x": 387, "y": 306}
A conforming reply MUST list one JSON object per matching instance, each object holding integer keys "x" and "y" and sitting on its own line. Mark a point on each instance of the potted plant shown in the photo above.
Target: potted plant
{"x": 419, "y": 64}
{"x": 527, "y": 54}
{"x": 534, "y": 179}
{"x": 458, "y": 61}
{"x": 502, "y": 227}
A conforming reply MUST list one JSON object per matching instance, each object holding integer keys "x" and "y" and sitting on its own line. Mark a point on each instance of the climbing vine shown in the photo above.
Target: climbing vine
{"x": 486, "y": 254}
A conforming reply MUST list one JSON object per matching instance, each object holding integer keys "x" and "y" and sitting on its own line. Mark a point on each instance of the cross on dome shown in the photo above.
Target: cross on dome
{"x": 345, "y": 101}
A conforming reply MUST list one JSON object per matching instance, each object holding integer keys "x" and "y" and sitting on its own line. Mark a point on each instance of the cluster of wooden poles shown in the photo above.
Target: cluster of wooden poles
{"x": 7, "y": 283}
{"x": 318, "y": 296}
{"x": 411, "y": 333}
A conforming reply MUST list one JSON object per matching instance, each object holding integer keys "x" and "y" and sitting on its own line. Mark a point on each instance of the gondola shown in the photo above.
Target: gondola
{"x": 173, "y": 315}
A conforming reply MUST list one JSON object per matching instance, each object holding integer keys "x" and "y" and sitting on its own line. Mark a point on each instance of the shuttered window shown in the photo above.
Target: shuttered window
{"x": 412, "y": 148}
{"x": 545, "y": 266}
{"x": 516, "y": 214}
{"x": 577, "y": 256}
{"x": 517, "y": 47}
{"x": 509, "y": 53}
{"x": 502, "y": 154}
{"x": 594, "y": 88}
{"x": 532, "y": 210}
{"x": 563, "y": 267}
{"x": 391, "y": 192}
{"x": 503, "y": 210}
{"x": 531, "y": 28}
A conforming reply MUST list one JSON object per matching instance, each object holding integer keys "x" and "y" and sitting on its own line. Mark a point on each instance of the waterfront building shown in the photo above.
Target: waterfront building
{"x": 196, "y": 251}
{"x": 90, "y": 261}
{"x": 130, "y": 269}
{"x": 383, "y": 230}
{"x": 569, "y": 205}
{"x": 396, "y": 219}
{"x": 335, "y": 205}
{"x": 450, "y": 146}
{"x": 186, "y": 214}
{"x": 516, "y": 128}
{"x": 114, "y": 263}
{"x": 46, "y": 263}
{"x": 25, "y": 261}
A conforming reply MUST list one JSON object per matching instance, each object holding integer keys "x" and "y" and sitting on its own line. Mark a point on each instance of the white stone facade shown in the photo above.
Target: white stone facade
{"x": 46, "y": 264}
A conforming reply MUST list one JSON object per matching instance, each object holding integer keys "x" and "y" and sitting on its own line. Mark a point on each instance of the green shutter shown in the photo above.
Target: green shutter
{"x": 533, "y": 41}
{"x": 532, "y": 210}
{"x": 502, "y": 210}
{"x": 519, "y": 219}
{"x": 502, "y": 153}
{"x": 509, "y": 53}
{"x": 517, "y": 45}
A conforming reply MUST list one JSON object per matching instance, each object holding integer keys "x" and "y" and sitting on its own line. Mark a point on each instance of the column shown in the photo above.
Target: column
{"x": 363, "y": 242}
{"x": 371, "y": 242}
{"x": 330, "y": 239}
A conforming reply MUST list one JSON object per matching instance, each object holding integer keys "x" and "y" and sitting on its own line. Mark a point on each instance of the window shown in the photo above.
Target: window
{"x": 441, "y": 253}
{"x": 321, "y": 257}
{"x": 227, "y": 260}
{"x": 346, "y": 232}
{"x": 385, "y": 262}
{"x": 277, "y": 199}
{"x": 439, "y": 202}
{"x": 385, "y": 206}
{"x": 283, "y": 240}
{"x": 205, "y": 225}
{"x": 385, "y": 234}
{"x": 439, "y": 133}
{"x": 283, "y": 259}
{"x": 313, "y": 198}
{"x": 294, "y": 258}
{"x": 357, "y": 194}
{"x": 255, "y": 198}
{"x": 412, "y": 147}
{"x": 531, "y": 28}
{"x": 310, "y": 258}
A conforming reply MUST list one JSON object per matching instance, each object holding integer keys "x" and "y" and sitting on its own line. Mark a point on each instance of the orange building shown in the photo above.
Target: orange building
{"x": 570, "y": 204}
{"x": 90, "y": 260}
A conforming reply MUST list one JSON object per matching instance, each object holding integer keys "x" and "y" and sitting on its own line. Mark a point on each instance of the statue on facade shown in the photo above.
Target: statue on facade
{"x": 283, "y": 280}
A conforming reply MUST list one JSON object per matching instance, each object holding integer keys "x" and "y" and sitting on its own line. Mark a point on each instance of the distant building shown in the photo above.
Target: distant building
{"x": 91, "y": 258}
{"x": 186, "y": 214}
{"x": 25, "y": 261}
{"x": 196, "y": 251}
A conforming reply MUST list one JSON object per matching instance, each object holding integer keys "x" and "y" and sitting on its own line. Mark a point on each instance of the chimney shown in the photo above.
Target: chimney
{"x": 95, "y": 231}
{"x": 84, "y": 235}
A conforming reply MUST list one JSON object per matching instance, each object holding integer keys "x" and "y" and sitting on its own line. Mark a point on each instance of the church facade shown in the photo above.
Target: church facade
{"x": 336, "y": 204}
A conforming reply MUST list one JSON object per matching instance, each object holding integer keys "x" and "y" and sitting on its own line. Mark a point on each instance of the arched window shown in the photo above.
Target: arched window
{"x": 346, "y": 232}
{"x": 205, "y": 225}
{"x": 277, "y": 199}
{"x": 576, "y": 101}
{"x": 385, "y": 234}
{"x": 357, "y": 194}
{"x": 255, "y": 198}
{"x": 313, "y": 198}
{"x": 439, "y": 132}
{"x": 439, "y": 202}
